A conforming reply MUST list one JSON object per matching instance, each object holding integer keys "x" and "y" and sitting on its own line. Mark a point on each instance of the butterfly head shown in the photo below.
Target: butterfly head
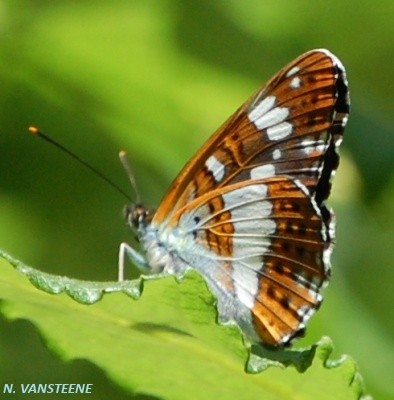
{"x": 137, "y": 216}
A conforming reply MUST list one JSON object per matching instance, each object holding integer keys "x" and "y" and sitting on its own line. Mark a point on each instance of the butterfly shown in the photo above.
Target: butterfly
{"x": 247, "y": 211}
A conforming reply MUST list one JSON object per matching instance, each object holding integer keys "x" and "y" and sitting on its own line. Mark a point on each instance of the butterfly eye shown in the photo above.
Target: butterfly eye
{"x": 127, "y": 211}
{"x": 131, "y": 215}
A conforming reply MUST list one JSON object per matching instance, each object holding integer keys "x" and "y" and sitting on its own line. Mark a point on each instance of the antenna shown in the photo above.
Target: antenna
{"x": 127, "y": 166}
{"x": 35, "y": 131}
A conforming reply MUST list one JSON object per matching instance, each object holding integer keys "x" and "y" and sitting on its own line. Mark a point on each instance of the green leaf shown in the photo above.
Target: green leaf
{"x": 167, "y": 343}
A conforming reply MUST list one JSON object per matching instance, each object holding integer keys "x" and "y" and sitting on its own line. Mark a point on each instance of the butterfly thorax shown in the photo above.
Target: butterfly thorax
{"x": 157, "y": 249}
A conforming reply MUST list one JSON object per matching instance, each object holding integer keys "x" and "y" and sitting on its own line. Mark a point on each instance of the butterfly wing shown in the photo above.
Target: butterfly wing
{"x": 262, "y": 247}
{"x": 248, "y": 209}
{"x": 291, "y": 126}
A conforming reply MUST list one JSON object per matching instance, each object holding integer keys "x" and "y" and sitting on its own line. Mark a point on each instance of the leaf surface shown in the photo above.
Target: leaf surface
{"x": 167, "y": 342}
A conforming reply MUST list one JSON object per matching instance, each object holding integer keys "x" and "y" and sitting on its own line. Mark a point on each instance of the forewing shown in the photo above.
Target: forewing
{"x": 291, "y": 127}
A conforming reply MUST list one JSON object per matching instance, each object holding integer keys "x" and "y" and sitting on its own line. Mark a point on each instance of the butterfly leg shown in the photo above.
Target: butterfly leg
{"x": 136, "y": 258}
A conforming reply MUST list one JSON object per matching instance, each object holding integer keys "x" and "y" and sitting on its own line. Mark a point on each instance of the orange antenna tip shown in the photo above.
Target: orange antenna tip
{"x": 33, "y": 130}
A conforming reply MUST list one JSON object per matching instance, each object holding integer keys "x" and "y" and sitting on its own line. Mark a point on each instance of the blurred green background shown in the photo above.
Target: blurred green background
{"x": 156, "y": 78}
